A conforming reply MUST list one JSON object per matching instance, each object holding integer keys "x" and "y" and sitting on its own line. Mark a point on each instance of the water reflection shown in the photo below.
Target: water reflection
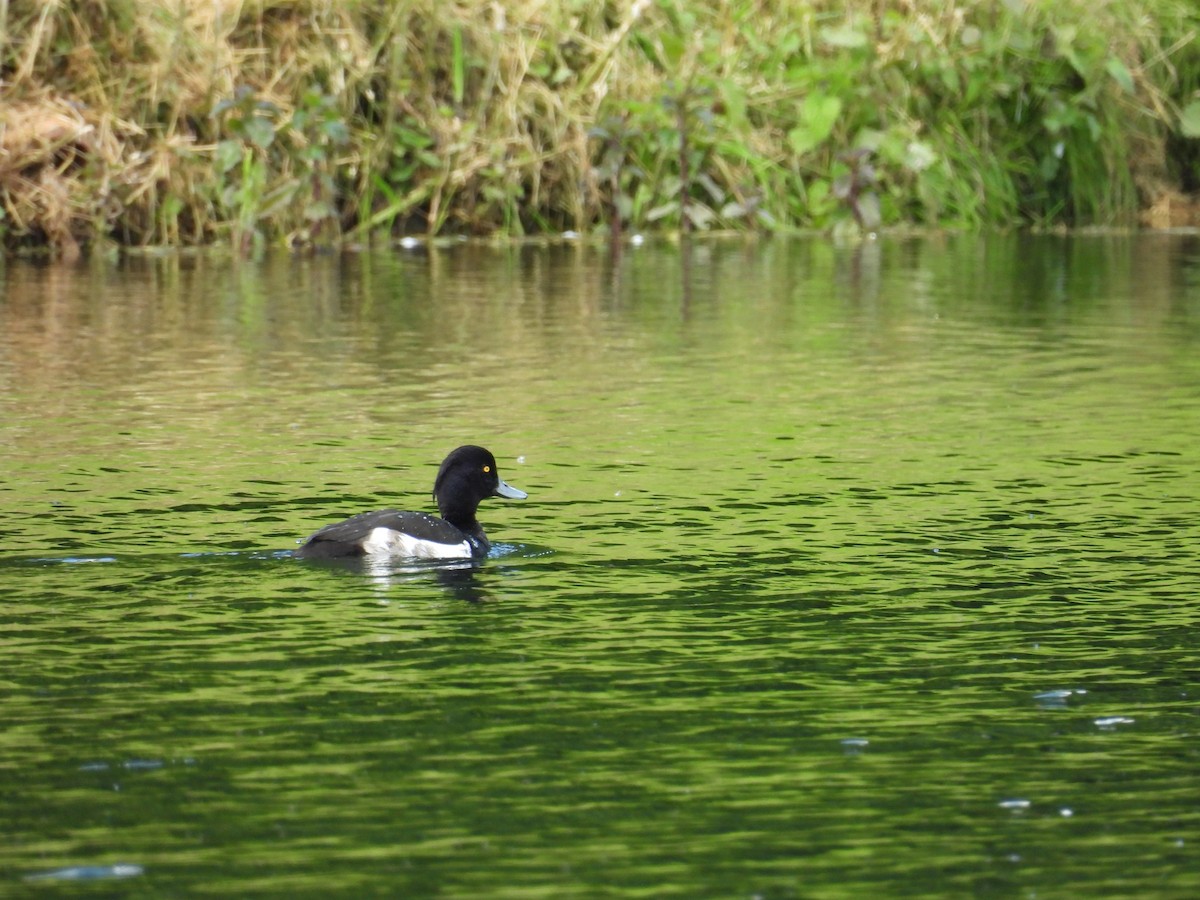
{"x": 459, "y": 578}
{"x": 207, "y": 315}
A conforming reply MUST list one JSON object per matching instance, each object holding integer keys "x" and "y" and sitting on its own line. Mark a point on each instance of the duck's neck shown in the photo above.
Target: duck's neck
{"x": 464, "y": 520}
{"x": 461, "y": 514}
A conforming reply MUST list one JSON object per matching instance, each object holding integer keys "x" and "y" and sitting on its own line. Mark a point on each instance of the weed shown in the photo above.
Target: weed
{"x": 300, "y": 122}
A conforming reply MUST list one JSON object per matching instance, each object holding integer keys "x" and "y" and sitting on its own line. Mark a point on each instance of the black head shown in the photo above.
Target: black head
{"x": 467, "y": 476}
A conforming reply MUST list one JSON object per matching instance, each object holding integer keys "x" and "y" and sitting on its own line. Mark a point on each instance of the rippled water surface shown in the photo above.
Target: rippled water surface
{"x": 843, "y": 570}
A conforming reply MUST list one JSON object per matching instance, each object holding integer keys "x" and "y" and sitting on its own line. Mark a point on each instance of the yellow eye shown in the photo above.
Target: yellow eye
{"x": 487, "y": 468}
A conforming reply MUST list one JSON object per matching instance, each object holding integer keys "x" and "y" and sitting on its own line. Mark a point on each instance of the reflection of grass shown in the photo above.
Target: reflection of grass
{"x": 304, "y": 121}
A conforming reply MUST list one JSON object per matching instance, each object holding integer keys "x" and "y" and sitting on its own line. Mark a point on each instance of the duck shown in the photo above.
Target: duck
{"x": 468, "y": 475}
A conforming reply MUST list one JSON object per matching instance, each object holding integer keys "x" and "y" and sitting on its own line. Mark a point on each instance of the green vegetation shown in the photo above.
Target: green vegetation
{"x": 313, "y": 121}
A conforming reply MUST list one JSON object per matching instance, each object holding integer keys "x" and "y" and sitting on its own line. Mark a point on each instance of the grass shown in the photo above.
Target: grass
{"x": 311, "y": 122}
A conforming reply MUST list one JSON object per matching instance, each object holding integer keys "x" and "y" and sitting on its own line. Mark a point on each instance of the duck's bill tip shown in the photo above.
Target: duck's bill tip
{"x": 512, "y": 493}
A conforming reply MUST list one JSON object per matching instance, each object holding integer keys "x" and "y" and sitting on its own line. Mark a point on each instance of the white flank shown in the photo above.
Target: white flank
{"x": 387, "y": 542}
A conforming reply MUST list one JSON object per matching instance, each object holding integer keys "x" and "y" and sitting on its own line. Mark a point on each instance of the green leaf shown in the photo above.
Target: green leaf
{"x": 673, "y": 48}
{"x": 318, "y": 210}
{"x": 336, "y": 131}
{"x": 919, "y": 156}
{"x": 818, "y": 115}
{"x": 229, "y": 154}
{"x": 821, "y": 112}
{"x": 1064, "y": 42}
{"x": 818, "y": 198}
{"x": 662, "y": 211}
{"x": 801, "y": 140}
{"x": 700, "y": 216}
{"x": 1189, "y": 120}
{"x": 870, "y": 139}
{"x": 869, "y": 212}
{"x": 259, "y": 131}
{"x": 458, "y": 68}
{"x": 1120, "y": 74}
{"x": 734, "y": 98}
{"x": 843, "y": 36}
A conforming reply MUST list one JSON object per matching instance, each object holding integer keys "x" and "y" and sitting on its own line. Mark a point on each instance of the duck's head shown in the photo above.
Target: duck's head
{"x": 467, "y": 476}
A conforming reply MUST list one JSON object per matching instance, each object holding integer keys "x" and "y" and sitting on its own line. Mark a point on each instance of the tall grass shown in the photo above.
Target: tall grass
{"x": 313, "y": 121}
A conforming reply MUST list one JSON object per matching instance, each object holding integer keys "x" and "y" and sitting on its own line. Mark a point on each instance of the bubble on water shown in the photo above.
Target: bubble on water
{"x": 1014, "y": 803}
{"x": 1053, "y": 695}
{"x": 1110, "y": 722}
{"x": 139, "y": 764}
{"x": 1056, "y": 699}
{"x": 87, "y": 873}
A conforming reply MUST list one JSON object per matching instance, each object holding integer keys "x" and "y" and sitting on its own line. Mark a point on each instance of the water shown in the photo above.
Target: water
{"x": 844, "y": 569}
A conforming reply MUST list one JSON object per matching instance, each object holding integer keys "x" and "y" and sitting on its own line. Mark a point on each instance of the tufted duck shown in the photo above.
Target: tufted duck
{"x": 467, "y": 476}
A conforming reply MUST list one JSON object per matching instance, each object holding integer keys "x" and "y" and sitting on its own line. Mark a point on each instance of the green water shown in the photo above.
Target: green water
{"x": 843, "y": 570}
